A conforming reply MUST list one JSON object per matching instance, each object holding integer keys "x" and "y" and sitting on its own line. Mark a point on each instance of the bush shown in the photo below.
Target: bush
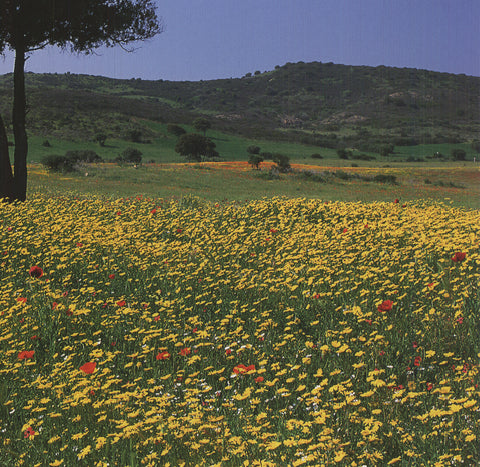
{"x": 131, "y": 155}
{"x": 316, "y": 156}
{"x": 344, "y": 154}
{"x": 255, "y": 160}
{"x": 57, "y": 163}
{"x": 135, "y": 136}
{"x": 459, "y": 154}
{"x": 83, "y": 155}
{"x": 46, "y": 144}
{"x": 282, "y": 162}
{"x": 176, "y": 130}
{"x": 383, "y": 178}
{"x": 100, "y": 138}
{"x": 253, "y": 149}
{"x": 266, "y": 155}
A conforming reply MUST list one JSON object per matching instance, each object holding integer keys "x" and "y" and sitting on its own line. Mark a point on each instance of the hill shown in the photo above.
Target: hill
{"x": 321, "y": 104}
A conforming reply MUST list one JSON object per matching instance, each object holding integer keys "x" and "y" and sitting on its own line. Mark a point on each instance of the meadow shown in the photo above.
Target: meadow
{"x": 151, "y": 330}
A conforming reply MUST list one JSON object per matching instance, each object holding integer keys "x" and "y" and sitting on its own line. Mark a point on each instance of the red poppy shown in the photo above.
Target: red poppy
{"x": 273, "y": 230}
{"x": 386, "y": 305}
{"x": 153, "y": 211}
{"x": 194, "y": 330}
{"x": 179, "y": 231}
{"x": 429, "y": 386}
{"x": 89, "y": 367}
{"x": 36, "y": 272}
{"x": 458, "y": 257}
{"x": 396, "y": 201}
{"x": 69, "y": 312}
{"x": 22, "y": 300}
{"x": 417, "y": 361}
{"x": 26, "y": 354}
{"x": 121, "y": 303}
{"x": 111, "y": 276}
{"x": 228, "y": 351}
{"x": 345, "y": 230}
{"x": 259, "y": 379}
{"x": 79, "y": 244}
{"x": 29, "y": 432}
{"x": 157, "y": 318}
{"x": 163, "y": 355}
{"x": 54, "y": 305}
{"x": 460, "y": 320}
{"x": 184, "y": 352}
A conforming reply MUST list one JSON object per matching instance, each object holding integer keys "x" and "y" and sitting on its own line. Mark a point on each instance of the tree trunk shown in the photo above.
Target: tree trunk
{"x": 19, "y": 131}
{"x": 6, "y": 177}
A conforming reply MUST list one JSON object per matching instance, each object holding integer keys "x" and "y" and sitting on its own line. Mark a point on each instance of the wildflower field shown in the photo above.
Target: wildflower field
{"x": 271, "y": 332}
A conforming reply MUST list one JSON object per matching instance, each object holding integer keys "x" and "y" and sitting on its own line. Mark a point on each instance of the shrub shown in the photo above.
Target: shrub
{"x": 459, "y": 154}
{"x": 132, "y": 155}
{"x": 266, "y": 155}
{"x": 134, "y": 135}
{"x": 176, "y": 130}
{"x": 253, "y": 149}
{"x": 383, "y": 178}
{"x": 101, "y": 138}
{"x": 255, "y": 160}
{"x": 282, "y": 162}
{"x": 46, "y": 144}
{"x": 83, "y": 155}
{"x": 57, "y": 163}
{"x": 316, "y": 156}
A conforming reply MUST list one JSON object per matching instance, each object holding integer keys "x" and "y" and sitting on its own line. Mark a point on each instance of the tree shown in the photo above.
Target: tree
{"x": 255, "y": 160}
{"x": 81, "y": 26}
{"x": 194, "y": 146}
{"x": 282, "y": 162}
{"x": 253, "y": 149}
{"x": 202, "y": 124}
{"x": 459, "y": 154}
{"x": 101, "y": 138}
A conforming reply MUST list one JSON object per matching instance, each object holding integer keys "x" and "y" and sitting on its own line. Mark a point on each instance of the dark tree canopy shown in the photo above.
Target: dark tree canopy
{"x": 76, "y": 25}
{"x": 79, "y": 25}
{"x": 195, "y": 147}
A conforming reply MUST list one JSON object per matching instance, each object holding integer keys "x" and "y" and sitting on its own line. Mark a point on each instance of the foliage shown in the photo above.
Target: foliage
{"x": 131, "y": 155}
{"x": 83, "y": 155}
{"x": 196, "y": 147}
{"x": 134, "y": 135}
{"x": 202, "y": 124}
{"x": 316, "y": 156}
{"x": 70, "y": 161}
{"x": 459, "y": 154}
{"x": 30, "y": 25}
{"x": 57, "y": 163}
{"x": 281, "y": 161}
{"x": 101, "y": 138}
{"x": 293, "y": 332}
{"x": 175, "y": 129}
{"x": 253, "y": 149}
{"x": 255, "y": 160}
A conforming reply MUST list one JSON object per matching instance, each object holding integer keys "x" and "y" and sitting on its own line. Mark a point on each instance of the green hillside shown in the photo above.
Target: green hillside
{"x": 317, "y": 104}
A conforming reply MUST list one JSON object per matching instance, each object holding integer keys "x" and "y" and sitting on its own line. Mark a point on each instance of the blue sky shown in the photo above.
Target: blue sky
{"x": 208, "y": 39}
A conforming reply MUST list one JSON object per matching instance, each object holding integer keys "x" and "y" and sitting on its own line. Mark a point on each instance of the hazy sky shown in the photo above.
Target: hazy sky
{"x": 208, "y": 39}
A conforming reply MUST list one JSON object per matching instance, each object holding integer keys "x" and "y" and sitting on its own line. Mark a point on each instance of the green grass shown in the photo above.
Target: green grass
{"x": 217, "y": 182}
